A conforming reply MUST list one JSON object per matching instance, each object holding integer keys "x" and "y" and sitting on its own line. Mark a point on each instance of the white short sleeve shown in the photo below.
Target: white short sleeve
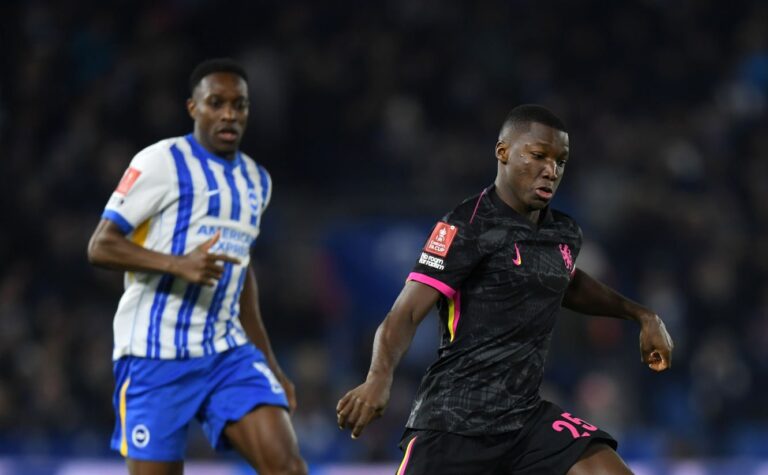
{"x": 147, "y": 187}
{"x": 266, "y": 186}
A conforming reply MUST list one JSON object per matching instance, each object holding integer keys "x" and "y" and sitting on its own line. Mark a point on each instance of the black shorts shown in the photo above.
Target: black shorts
{"x": 550, "y": 443}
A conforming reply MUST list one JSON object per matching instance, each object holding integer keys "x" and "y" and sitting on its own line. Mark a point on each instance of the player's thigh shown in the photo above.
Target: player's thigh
{"x": 554, "y": 441}
{"x": 599, "y": 459}
{"x": 265, "y": 438}
{"x": 242, "y": 382}
{"x": 146, "y": 467}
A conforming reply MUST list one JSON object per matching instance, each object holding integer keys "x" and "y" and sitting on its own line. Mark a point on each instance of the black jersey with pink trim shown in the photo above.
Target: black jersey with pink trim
{"x": 502, "y": 280}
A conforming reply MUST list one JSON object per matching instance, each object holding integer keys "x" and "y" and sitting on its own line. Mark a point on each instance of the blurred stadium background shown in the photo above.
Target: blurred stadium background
{"x": 375, "y": 118}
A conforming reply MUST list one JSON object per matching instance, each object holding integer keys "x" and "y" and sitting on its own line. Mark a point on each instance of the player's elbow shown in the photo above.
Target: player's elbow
{"x": 98, "y": 249}
{"x": 94, "y": 256}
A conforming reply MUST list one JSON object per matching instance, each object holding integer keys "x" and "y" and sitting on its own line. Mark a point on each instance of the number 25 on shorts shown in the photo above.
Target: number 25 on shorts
{"x": 573, "y": 425}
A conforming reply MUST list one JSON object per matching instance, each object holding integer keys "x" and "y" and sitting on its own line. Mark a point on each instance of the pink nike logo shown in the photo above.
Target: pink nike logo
{"x": 517, "y": 260}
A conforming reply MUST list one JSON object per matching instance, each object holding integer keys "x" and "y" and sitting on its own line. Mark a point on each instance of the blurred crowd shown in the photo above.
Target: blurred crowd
{"x": 374, "y": 119}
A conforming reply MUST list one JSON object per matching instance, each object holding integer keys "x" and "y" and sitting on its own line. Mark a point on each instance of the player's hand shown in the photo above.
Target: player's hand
{"x": 290, "y": 389}
{"x": 200, "y": 266}
{"x": 363, "y": 404}
{"x": 655, "y": 344}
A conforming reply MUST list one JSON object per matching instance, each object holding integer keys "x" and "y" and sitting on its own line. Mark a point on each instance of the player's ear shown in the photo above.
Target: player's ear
{"x": 502, "y": 151}
{"x": 191, "y": 107}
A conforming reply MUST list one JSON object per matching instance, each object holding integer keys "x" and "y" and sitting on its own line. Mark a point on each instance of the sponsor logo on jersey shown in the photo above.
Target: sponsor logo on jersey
{"x": 431, "y": 261}
{"x": 233, "y": 242}
{"x": 129, "y": 178}
{"x": 440, "y": 241}
{"x": 140, "y": 436}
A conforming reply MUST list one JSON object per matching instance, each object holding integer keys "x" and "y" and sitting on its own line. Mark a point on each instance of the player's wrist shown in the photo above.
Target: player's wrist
{"x": 379, "y": 377}
{"x": 172, "y": 265}
{"x": 648, "y": 318}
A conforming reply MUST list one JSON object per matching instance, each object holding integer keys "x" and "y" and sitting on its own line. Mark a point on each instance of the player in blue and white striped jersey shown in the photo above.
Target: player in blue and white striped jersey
{"x": 189, "y": 341}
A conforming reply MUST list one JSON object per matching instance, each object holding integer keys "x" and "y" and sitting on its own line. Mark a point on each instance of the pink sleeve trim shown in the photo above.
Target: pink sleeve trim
{"x": 432, "y": 282}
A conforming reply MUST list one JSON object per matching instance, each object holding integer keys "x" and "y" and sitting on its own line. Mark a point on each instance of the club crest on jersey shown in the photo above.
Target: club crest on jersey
{"x": 253, "y": 200}
{"x": 129, "y": 178}
{"x": 440, "y": 240}
{"x": 565, "y": 251}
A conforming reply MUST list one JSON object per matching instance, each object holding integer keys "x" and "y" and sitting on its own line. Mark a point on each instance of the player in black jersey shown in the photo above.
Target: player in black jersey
{"x": 499, "y": 267}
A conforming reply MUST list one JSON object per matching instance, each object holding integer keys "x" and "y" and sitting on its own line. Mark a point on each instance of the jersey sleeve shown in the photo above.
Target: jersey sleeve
{"x": 144, "y": 189}
{"x": 448, "y": 257}
{"x": 577, "y": 248}
{"x": 265, "y": 179}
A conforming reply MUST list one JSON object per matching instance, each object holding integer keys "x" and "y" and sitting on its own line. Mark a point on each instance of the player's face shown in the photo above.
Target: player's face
{"x": 532, "y": 165}
{"x": 219, "y": 107}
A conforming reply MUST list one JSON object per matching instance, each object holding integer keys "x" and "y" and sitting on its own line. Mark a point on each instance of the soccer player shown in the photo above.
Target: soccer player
{"x": 499, "y": 266}
{"x": 189, "y": 341}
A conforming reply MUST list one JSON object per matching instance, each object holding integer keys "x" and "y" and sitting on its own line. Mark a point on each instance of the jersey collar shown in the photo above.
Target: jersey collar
{"x": 202, "y": 153}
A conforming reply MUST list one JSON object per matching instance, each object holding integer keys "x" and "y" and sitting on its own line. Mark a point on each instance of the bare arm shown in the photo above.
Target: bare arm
{"x": 109, "y": 248}
{"x": 393, "y": 338}
{"x": 250, "y": 318}
{"x": 587, "y": 295}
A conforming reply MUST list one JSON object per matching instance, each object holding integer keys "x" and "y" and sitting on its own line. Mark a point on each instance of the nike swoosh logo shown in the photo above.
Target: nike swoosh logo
{"x": 212, "y": 192}
{"x": 517, "y": 260}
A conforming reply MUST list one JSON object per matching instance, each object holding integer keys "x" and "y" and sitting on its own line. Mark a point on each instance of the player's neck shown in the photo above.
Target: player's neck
{"x": 519, "y": 207}
{"x": 208, "y": 148}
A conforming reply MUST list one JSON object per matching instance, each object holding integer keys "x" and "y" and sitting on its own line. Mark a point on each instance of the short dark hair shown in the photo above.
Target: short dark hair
{"x": 526, "y": 114}
{"x": 215, "y": 65}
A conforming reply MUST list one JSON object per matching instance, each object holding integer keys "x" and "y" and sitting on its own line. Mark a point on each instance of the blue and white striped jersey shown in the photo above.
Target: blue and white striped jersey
{"x": 174, "y": 196}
